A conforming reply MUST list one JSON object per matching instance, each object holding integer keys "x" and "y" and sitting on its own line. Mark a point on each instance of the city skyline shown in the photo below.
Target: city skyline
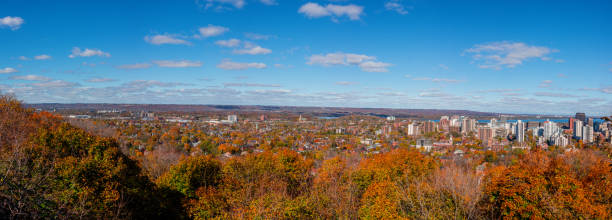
{"x": 506, "y": 57}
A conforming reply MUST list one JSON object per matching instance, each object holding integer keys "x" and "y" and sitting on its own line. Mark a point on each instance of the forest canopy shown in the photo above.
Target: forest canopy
{"x": 50, "y": 168}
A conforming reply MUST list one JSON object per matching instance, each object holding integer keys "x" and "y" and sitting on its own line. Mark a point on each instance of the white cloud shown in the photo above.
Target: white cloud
{"x": 351, "y": 11}
{"x": 437, "y": 80}
{"x": 254, "y": 36}
{"x": 228, "y": 43}
{"x": 54, "y": 84}
{"x": 165, "y": 39}
{"x": 23, "y": 58}
{"x": 177, "y": 64}
{"x": 42, "y": 57}
{"x": 13, "y": 23}
{"x": 498, "y": 90}
{"x": 8, "y": 70}
{"x": 229, "y": 65}
{"x": 314, "y": 10}
{"x": 545, "y": 83}
{"x": 248, "y": 48}
{"x": 226, "y": 5}
{"x": 391, "y": 94}
{"x": 395, "y": 5}
{"x": 433, "y": 94}
{"x": 346, "y": 83}
{"x": 607, "y": 90}
{"x": 140, "y": 85}
{"x": 31, "y": 78}
{"x": 557, "y": 95}
{"x": 339, "y": 59}
{"x": 272, "y": 92}
{"x": 100, "y": 80}
{"x": 328, "y": 59}
{"x": 220, "y": 4}
{"x": 253, "y": 50}
{"x": 212, "y": 31}
{"x": 249, "y": 85}
{"x": 77, "y": 52}
{"x": 497, "y": 55}
{"x": 371, "y": 66}
{"x": 366, "y": 63}
{"x": 135, "y": 66}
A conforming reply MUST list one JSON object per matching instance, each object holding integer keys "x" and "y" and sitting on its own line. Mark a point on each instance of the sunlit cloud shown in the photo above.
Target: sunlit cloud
{"x": 77, "y": 52}
{"x": 498, "y": 55}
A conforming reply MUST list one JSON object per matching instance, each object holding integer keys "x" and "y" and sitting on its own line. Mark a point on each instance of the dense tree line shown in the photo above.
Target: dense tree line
{"x": 52, "y": 169}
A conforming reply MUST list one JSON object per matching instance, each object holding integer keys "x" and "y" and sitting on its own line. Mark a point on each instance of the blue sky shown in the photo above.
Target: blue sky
{"x": 500, "y": 56}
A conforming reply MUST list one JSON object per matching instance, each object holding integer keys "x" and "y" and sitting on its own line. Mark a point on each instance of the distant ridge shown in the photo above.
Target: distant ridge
{"x": 317, "y": 111}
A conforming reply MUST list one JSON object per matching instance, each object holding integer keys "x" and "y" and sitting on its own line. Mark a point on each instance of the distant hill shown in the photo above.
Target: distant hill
{"x": 317, "y": 111}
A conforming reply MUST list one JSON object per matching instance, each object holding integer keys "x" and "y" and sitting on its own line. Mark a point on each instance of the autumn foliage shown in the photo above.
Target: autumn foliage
{"x": 545, "y": 187}
{"x": 53, "y": 169}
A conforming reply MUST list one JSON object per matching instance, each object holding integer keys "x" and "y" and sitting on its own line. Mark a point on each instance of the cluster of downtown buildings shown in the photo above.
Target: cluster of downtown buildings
{"x": 372, "y": 133}
{"x": 499, "y": 132}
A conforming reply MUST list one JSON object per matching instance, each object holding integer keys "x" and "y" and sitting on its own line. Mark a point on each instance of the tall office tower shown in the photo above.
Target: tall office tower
{"x": 587, "y": 134}
{"x": 520, "y": 131}
{"x": 581, "y": 116}
{"x": 578, "y": 129}
{"x": 493, "y": 122}
{"x": 590, "y": 121}
{"x": 571, "y": 124}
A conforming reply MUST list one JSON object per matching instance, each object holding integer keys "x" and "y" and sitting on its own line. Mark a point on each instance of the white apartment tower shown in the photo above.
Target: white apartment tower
{"x": 587, "y": 134}
{"x": 520, "y": 131}
{"x": 578, "y": 128}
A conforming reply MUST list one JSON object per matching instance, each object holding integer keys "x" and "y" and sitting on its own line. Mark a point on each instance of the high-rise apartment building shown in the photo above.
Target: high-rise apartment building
{"x": 578, "y": 129}
{"x": 468, "y": 125}
{"x": 550, "y": 129}
{"x": 587, "y": 134}
{"x": 520, "y": 131}
{"x": 485, "y": 134}
{"x": 430, "y": 126}
{"x": 413, "y": 129}
{"x": 444, "y": 123}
